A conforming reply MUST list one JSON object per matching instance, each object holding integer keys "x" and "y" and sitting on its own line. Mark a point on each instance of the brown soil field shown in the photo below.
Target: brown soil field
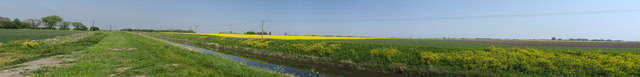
{"x": 560, "y": 43}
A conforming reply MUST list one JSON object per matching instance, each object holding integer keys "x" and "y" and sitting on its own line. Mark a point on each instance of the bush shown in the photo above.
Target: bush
{"x": 429, "y": 57}
{"x": 30, "y": 44}
{"x": 388, "y": 53}
{"x": 255, "y": 43}
{"x": 203, "y": 37}
{"x": 319, "y": 48}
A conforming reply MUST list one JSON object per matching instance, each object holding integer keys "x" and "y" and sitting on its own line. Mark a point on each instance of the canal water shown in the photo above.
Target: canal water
{"x": 258, "y": 64}
{"x": 288, "y": 67}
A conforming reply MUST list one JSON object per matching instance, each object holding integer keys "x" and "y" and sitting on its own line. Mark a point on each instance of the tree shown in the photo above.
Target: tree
{"x": 64, "y": 25}
{"x": 15, "y": 24}
{"x": 51, "y": 21}
{"x": 34, "y": 23}
{"x": 79, "y": 26}
{"x": 93, "y": 28}
{"x": 4, "y": 20}
{"x": 553, "y": 38}
{"x": 191, "y": 31}
{"x": 261, "y": 33}
{"x": 19, "y": 24}
{"x": 250, "y": 32}
{"x": 10, "y": 25}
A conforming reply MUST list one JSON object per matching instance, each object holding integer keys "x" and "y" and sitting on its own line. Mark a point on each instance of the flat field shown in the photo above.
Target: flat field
{"x": 467, "y": 43}
{"x": 552, "y": 45}
{"x": 429, "y": 57}
{"x": 7, "y": 35}
{"x": 123, "y": 54}
{"x": 120, "y": 54}
{"x": 562, "y": 43}
{"x": 282, "y": 37}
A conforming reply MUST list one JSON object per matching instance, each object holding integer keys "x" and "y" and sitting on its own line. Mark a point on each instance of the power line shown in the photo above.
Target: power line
{"x": 30, "y": 5}
{"x": 468, "y": 17}
{"x": 235, "y": 24}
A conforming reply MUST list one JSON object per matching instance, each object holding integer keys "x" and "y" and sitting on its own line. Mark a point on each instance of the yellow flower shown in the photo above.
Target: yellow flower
{"x": 29, "y": 44}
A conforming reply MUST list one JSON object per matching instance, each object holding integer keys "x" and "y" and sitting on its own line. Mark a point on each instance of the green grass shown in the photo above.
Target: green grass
{"x": 22, "y": 34}
{"x": 144, "y": 56}
{"x": 421, "y": 60}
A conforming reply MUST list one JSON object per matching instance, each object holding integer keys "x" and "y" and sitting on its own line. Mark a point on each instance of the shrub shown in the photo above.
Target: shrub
{"x": 319, "y": 48}
{"x": 30, "y": 44}
{"x": 429, "y": 57}
{"x": 354, "y": 53}
{"x": 15, "y": 42}
{"x": 203, "y": 37}
{"x": 329, "y": 49}
{"x": 255, "y": 43}
{"x": 388, "y": 53}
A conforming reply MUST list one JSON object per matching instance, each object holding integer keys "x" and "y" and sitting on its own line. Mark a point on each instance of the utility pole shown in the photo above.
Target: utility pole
{"x": 196, "y": 30}
{"x": 94, "y": 23}
{"x": 110, "y": 27}
{"x": 262, "y": 33}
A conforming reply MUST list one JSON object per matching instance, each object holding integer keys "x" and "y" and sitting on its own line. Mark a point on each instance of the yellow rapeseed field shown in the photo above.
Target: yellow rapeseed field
{"x": 284, "y": 37}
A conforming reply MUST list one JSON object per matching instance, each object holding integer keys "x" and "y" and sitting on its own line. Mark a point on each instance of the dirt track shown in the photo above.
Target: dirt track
{"x": 559, "y": 43}
{"x": 31, "y": 65}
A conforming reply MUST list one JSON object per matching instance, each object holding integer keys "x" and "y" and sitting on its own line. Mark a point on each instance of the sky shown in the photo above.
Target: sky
{"x": 503, "y": 19}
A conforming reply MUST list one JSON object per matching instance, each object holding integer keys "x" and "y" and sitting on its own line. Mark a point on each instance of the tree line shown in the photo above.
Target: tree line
{"x": 49, "y": 22}
{"x": 583, "y": 39}
{"x": 152, "y": 30}
{"x": 258, "y": 33}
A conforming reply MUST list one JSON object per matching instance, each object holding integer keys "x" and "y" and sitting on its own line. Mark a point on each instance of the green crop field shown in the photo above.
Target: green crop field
{"x": 20, "y": 51}
{"x": 425, "y": 57}
{"x": 15, "y": 34}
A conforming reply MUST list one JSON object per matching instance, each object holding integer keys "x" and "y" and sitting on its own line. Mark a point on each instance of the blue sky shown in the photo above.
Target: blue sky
{"x": 534, "y": 19}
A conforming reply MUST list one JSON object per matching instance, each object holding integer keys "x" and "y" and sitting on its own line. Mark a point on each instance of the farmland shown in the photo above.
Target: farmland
{"x": 113, "y": 54}
{"x": 19, "y": 51}
{"x": 554, "y": 45}
{"x": 127, "y": 54}
{"x": 141, "y": 54}
{"x": 15, "y": 34}
{"x": 424, "y": 57}
{"x": 319, "y": 38}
